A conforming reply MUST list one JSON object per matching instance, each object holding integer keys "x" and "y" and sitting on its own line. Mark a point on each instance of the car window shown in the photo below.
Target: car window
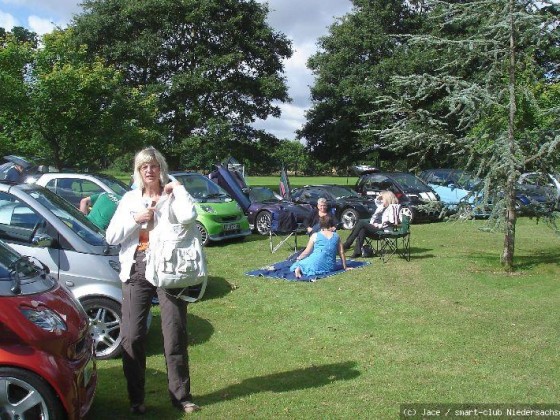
{"x": 18, "y": 222}
{"x": 410, "y": 181}
{"x": 260, "y": 194}
{"x": 378, "y": 183}
{"x": 341, "y": 192}
{"x": 67, "y": 189}
{"x": 201, "y": 187}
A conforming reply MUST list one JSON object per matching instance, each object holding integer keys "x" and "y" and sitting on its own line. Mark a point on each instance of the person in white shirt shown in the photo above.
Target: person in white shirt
{"x": 136, "y": 217}
{"x": 385, "y": 216}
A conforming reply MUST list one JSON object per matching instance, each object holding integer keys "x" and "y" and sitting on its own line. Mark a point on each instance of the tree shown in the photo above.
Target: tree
{"x": 207, "y": 61}
{"x": 71, "y": 111}
{"x": 479, "y": 102}
{"x": 292, "y": 155}
{"x": 352, "y": 68}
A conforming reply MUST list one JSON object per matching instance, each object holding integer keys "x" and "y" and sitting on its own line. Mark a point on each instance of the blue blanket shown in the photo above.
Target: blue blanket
{"x": 281, "y": 270}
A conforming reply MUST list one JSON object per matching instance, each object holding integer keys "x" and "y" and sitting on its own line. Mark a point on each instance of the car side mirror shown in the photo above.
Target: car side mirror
{"x": 42, "y": 240}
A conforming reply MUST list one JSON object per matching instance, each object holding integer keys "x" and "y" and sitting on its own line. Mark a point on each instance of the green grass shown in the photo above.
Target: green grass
{"x": 450, "y": 326}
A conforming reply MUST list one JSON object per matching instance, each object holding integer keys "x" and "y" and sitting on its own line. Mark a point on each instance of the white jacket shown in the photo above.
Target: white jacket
{"x": 124, "y": 230}
{"x": 389, "y": 216}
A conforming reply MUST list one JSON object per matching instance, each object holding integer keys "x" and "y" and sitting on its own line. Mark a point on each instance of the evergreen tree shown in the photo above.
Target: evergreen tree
{"x": 479, "y": 103}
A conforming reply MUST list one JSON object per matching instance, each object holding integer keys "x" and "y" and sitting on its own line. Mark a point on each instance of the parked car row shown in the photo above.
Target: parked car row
{"x": 536, "y": 193}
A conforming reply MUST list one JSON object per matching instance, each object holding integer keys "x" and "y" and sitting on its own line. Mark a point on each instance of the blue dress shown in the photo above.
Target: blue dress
{"x": 323, "y": 257}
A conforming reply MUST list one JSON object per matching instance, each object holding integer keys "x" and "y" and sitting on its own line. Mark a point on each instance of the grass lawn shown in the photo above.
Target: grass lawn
{"x": 447, "y": 327}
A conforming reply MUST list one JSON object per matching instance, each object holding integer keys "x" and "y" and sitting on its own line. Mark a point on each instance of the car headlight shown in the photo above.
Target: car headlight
{"x": 45, "y": 318}
{"x": 208, "y": 209}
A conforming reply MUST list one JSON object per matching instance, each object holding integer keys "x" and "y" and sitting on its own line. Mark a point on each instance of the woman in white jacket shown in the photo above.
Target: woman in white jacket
{"x": 386, "y": 215}
{"x": 136, "y": 216}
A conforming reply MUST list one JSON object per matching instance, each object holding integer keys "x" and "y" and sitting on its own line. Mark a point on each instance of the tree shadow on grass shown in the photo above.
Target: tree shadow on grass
{"x": 522, "y": 262}
{"x": 309, "y": 377}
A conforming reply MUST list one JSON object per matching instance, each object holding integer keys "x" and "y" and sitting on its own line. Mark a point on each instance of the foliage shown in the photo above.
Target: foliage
{"x": 215, "y": 66}
{"x": 68, "y": 110}
{"x": 292, "y": 155}
{"x": 478, "y": 102}
{"x": 352, "y": 68}
{"x": 447, "y": 327}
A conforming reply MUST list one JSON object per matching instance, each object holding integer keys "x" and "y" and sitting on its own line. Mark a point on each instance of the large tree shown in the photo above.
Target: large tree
{"x": 480, "y": 100}
{"x": 352, "y": 68}
{"x": 66, "y": 108}
{"x": 208, "y": 62}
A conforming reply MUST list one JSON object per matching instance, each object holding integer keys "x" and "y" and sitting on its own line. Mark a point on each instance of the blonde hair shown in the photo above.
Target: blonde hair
{"x": 388, "y": 198}
{"x": 147, "y": 155}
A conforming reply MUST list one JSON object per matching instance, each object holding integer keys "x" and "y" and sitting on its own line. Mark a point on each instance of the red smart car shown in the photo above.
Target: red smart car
{"x": 47, "y": 369}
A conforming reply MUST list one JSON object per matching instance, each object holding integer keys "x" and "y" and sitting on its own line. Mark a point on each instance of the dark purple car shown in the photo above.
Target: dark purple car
{"x": 264, "y": 208}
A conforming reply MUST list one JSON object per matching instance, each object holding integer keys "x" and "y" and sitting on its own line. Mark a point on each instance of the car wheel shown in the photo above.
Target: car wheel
{"x": 203, "y": 234}
{"x": 105, "y": 326}
{"x": 25, "y": 395}
{"x": 349, "y": 218}
{"x": 264, "y": 222}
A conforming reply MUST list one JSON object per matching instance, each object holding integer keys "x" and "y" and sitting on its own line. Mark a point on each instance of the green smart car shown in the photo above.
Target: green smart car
{"x": 219, "y": 216}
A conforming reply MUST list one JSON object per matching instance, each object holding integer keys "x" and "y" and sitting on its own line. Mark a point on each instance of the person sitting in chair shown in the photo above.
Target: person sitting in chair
{"x": 386, "y": 215}
{"x": 319, "y": 256}
{"x": 311, "y": 223}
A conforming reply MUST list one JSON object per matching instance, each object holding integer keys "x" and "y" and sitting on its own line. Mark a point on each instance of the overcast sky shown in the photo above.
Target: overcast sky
{"x": 302, "y": 21}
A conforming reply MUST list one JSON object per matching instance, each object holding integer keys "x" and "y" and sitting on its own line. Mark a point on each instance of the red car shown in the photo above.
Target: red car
{"x": 47, "y": 368}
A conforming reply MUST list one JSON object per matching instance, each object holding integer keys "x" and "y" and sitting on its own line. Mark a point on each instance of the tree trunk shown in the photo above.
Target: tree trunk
{"x": 509, "y": 239}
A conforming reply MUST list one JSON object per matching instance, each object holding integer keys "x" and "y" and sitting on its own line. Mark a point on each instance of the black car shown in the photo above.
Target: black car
{"x": 348, "y": 205}
{"x": 409, "y": 189}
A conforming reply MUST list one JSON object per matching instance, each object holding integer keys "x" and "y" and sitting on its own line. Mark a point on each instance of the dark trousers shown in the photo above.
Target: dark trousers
{"x": 360, "y": 230}
{"x": 137, "y": 299}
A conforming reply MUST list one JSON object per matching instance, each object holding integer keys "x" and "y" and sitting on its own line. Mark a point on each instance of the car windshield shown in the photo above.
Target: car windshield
{"x": 260, "y": 194}
{"x": 464, "y": 180}
{"x": 119, "y": 187}
{"x": 201, "y": 188}
{"x": 70, "y": 215}
{"x": 342, "y": 192}
{"x": 7, "y": 259}
{"x": 410, "y": 181}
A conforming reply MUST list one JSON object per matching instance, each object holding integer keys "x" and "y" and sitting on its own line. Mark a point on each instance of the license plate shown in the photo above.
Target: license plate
{"x": 231, "y": 226}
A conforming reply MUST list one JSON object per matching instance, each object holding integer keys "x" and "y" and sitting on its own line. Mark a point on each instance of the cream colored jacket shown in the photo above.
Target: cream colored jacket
{"x": 124, "y": 231}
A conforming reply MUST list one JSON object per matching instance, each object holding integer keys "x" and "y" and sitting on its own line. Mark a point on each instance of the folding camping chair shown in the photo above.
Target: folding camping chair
{"x": 395, "y": 241}
{"x": 283, "y": 227}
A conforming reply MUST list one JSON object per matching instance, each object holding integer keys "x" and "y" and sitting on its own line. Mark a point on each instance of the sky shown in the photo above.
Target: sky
{"x": 302, "y": 21}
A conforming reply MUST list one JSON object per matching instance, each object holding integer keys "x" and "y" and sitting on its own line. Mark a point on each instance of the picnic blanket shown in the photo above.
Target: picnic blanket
{"x": 281, "y": 270}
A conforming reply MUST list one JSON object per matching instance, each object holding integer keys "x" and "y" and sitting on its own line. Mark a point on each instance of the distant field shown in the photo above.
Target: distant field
{"x": 274, "y": 181}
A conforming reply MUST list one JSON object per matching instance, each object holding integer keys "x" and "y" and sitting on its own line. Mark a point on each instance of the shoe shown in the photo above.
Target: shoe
{"x": 138, "y": 409}
{"x": 188, "y": 407}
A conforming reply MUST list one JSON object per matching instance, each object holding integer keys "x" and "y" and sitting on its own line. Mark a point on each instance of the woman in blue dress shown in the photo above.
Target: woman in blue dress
{"x": 319, "y": 256}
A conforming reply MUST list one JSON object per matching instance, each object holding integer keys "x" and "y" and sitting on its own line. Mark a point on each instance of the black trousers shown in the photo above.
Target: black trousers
{"x": 137, "y": 300}
{"x": 360, "y": 230}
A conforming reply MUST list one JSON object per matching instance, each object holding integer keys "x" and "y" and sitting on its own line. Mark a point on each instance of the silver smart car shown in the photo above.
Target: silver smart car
{"x": 40, "y": 224}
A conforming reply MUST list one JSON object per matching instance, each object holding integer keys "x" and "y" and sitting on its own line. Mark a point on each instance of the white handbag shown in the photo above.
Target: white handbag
{"x": 175, "y": 256}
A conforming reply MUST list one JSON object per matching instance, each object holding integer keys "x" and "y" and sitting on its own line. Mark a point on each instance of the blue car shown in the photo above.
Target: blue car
{"x": 458, "y": 190}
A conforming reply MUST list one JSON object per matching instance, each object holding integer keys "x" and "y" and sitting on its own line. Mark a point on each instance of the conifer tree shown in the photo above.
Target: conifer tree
{"x": 485, "y": 101}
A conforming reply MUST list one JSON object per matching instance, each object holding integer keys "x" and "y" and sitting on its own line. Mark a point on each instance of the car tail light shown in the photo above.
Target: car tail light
{"x": 45, "y": 319}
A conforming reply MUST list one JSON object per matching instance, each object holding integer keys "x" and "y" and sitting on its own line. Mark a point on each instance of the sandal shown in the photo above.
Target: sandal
{"x": 189, "y": 407}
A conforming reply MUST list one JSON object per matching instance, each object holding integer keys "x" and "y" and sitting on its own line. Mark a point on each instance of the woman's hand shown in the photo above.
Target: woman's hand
{"x": 144, "y": 216}
{"x": 168, "y": 188}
